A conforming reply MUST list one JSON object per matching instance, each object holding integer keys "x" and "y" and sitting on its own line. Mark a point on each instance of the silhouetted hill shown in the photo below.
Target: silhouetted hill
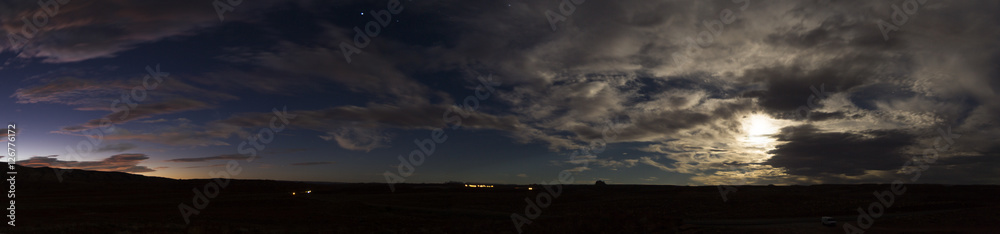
{"x": 44, "y": 179}
{"x": 47, "y": 174}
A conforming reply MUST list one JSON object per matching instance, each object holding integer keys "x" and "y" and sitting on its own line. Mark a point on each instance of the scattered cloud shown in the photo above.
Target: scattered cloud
{"x": 217, "y": 157}
{"x": 208, "y": 166}
{"x": 119, "y": 147}
{"x": 312, "y": 163}
{"x": 117, "y": 163}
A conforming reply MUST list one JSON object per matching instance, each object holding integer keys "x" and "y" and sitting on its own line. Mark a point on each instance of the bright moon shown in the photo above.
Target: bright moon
{"x": 758, "y": 129}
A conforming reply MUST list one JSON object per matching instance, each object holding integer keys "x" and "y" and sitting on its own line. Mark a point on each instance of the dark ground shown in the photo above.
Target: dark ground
{"x": 104, "y": 202}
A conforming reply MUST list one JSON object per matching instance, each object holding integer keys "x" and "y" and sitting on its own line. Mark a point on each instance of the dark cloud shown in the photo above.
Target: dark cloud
{"x": 211, "y": 158}
{"x": 970, "y": 169}
{"x": 821, "y": 116}
{"x": 6, "y": 132}
{"x": 834, "y": 32}
{"x": 669, "y": 122}
{"x": 361, "y": 128}
{"x": 69, "y": 91}
{"x": 142, "y": 111}
{"x": 119, "y": 163}
{"x": 83, "y": 88}
{"x": 787, "y": 88}
{"x": 312, "y": 163}
{"x": 208, "y": 166}
{"x": 181, "y": 134}
{"x": 116, "y": 147}
{"x": 311, "y": 65}
{"x": 359, "y": 139}
{"x": 168, "y": 97}
{"x": 83, "y": 30}
{"x": 805, "y": 150}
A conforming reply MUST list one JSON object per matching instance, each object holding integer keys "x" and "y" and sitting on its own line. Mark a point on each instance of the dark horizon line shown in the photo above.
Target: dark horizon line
{"x": 505, "y": 184}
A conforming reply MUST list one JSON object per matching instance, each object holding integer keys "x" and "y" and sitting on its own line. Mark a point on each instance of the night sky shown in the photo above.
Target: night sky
{"x": 659, "y": 92}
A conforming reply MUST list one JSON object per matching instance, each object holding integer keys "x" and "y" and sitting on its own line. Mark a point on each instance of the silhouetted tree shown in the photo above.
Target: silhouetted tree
{"x": 600, "y": 183}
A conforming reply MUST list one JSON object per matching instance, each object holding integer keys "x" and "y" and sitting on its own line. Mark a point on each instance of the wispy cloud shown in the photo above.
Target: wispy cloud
{"x": 208, "y": 166}
{"x": 312, "y": 163}
{"x": 217, "y": 157}
{"x": 118, "y": 163}
{"x": 119, "y": 147}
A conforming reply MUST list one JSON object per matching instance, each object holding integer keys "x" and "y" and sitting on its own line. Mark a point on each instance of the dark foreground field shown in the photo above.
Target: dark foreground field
{"x": 100, "y": 202}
